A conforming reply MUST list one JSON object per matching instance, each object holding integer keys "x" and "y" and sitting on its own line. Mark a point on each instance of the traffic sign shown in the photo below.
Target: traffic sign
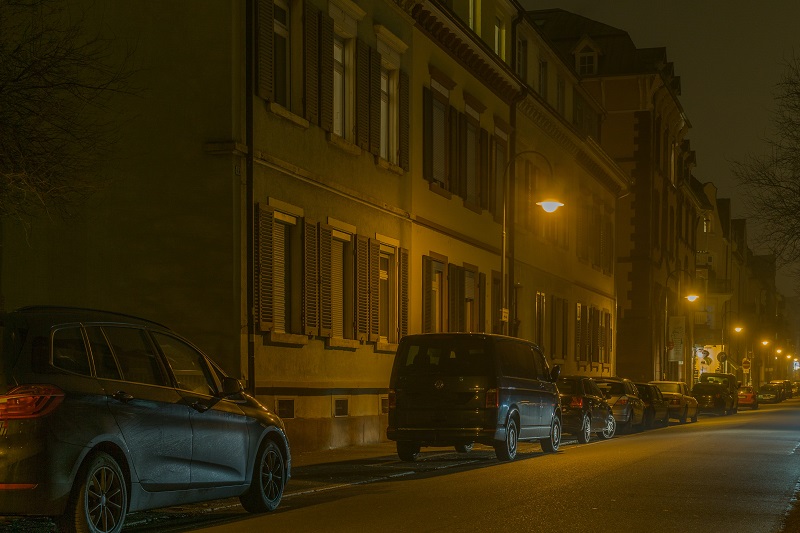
{"x": 746, "y": 364}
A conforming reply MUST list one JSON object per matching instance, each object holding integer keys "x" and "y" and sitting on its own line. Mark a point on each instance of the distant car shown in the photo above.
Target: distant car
{"x": 682, "y": 405}
{"x": 731, "y": 385}
{"x": 104, "y": 414}
{"x": 453, "y": 389}
{"x": 624, "y": 399}
{"x": 785, "y": 385}
{"x": 748, "y": 397}
{"x": 584, "y": 409}
{"x": 713, "y": 398}
{"x": 795, "y": 387}
{"x": 769, "y": 393}
{"x": 656, "y": 411}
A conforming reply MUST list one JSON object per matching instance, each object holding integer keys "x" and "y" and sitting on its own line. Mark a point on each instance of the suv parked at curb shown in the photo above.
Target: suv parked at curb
{"x": 455, "y": 389}
{"x": 729, "y": 383}
{"x": 102, "y": 414}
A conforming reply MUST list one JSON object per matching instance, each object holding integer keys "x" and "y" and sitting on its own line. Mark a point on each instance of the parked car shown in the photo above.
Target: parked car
{"x": 624, "y": 399}
{"x": 454, "y": 389}
{"x": 103, "y": 414}
{"x": 656, "y": 407}
{"x": 713, "y": 398}
{"x": 729, "y": 382}
{"x": 769, "y": 393}
{"x": 682, "y": 405}
{"x": 795, "y": 387}
{"x": 584, "y": 409}
{"x": 748, "y": 397}
{"x": 786, "y": 388}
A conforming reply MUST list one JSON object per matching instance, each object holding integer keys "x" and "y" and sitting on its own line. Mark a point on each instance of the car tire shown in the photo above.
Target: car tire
{"x": 507, "y": 450}
{"x": 551, "y": 444}
{"x": 586, "y": 430}
{"x": 99, "y": 498}
{"x": 682, "y": 418}
{"x": 649, "y": 419}
{"x": 269, "y": 479}
{"x": 610, "y": 429}
{"x": 464, "y": 448}
{"x": 407, "y": 450}
{"x": 694, "y": 417}
{"x": 755, "y": 406}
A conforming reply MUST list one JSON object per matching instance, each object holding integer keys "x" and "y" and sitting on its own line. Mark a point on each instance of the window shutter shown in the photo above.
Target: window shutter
{"x": 403, "y": 120}
{"x": 310, "y": 278}
{"x": 374, "y": 101}
{"x": 374, "y": 289}
{"x": 325, "y": 71}
{"x": 455, "y": 297}
{"x": 481, "y": 297}
{"x": 462, "y": 148}
{"x": 578, "y": 332}
{"x": 427, "y": 134}
{"x": 362, "y": 320}
{"x": 263, "y": 268}
{"x": 403, "y": 296}
{"x": 325, "y": 288}
{"x": 265, "y": 49}
{"x": 453, "y": 157}
{"x": 484, "y": 169}
{"x": 362, "y": 95}
{"x": 427, "y": 294}
{"x": 311, "y": 62}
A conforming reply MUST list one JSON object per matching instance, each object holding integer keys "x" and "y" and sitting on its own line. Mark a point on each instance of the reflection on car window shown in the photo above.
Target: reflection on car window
{"x": 105, "y": 365}
{"x": 188, "y": 365}
{"x": 135, "y": 355}
{"x": 69, "y": 351}
{"x": 611, "y": 387}
{"x": 450, "y": 356}
{"x": 567, "y": 386}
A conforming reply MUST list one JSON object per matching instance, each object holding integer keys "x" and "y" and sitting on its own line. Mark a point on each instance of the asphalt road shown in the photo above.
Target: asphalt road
{"x": 736, "y": 473}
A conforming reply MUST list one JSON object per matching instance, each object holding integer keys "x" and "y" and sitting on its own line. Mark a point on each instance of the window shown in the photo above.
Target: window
{"x": 587, "y": 61}
{"x": 581, "y": 333}
{"x": 105, "y": 365}
{"x": 135, "y": 354}
{"x": 433, "y": 302}
{"x": 543, "y": 79}
{"x": 540, "y": 315}
{"x": 438, "y": 161}
{"x": 473, "y": 15}
{"x": 465, "y": 299}
{"x": 282, "y": 54}
{"x": 559, "y": 319}
{"x": 285, "y": 408}
{"x": 561, "y": 105}
{"x": 499, "y": 37}
{"x": 340, "y": 407}
{"x": 340, "y": 88}
{"x": 69, "y": 351}
{"x": 522, "y": 59}
{"x": 189, "y": 367}
{"x": 393, "y": 120}
{"x": 385, "y": 117}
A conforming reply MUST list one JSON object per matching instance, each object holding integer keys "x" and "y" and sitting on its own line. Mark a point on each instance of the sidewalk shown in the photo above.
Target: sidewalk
{"x": 341, "y": 455}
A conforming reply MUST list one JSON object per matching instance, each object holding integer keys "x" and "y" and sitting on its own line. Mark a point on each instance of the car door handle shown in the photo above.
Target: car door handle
{"x": 122, "y": 396}
{"x": 199, "y": 407}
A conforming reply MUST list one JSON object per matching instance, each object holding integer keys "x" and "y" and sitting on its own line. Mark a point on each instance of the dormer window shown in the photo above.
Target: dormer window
{"x": 587, "y": 61}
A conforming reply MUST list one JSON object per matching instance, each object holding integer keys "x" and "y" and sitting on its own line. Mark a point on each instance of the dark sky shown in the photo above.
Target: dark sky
{"x": 729, "y": 55}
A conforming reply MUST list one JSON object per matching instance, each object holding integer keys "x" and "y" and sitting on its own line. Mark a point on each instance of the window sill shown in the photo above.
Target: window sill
{"x": 343, "y": 144}
{"x": 441, "y": 191}
{"x": 288, "y": 339}
{"x": 386, "y": 347}
{"x": 388, "y": 165}
{"x": 473, "y": 207}
{"x": 284, "y": 113}
{"x": 340, "y": 343}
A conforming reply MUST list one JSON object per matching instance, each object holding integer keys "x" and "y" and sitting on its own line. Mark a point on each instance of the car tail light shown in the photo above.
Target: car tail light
{"x": 29, "y": 401}
{"x": 492, "y": 399}
{"x": 623, "y": 400}
{"x": 18, "y": 486}
{"x": 392, "y": 399}
{"x": 576, "y": 401}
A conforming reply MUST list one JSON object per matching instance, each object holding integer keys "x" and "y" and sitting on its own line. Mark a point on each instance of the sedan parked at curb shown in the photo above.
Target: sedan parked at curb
{"x": 682, "y": 405}
{"x": 769, "y": 393}
{"x": 748, "y": 397}
{"x": 584, "y": 409}
{"x": 624, "y": 399}
{"x": 656, "y": 407}
{"x": 103, "y": 414}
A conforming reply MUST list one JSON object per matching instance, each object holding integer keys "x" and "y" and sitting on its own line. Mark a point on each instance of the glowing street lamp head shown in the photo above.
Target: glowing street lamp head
{"x": 764, "y": 342}
{"x": 738, "y": 329}
{"x": 692, "y": 297}
{"x": 549, "y": 205}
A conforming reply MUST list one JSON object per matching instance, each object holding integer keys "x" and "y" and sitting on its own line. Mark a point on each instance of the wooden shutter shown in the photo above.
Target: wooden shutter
{"x": 362, "y": 95}
{"x": 404, "y": 142}
{"x": 481, "y": 297}
{"x": 311, "y": 80}
{"x": 483, "y": 169}
{"x": 403, "y": 265}
{"x": 362, "y": 319}
{"x": 279, "y": 266}
{"x": 427, "y": 134}
{"x": 455, "y": 297}
{"x": 265, "y": 13}
{"x": 374, "y": 101}
{"x": 263, "y": 268}
{"x": 310, "y": 278}
{"x": 325, "y": 273}
{"x": 325, "y": 71}
{"x": 374, "y": 290}
{"x": 427, "y": 294}
{"x": 453, "y": 153}
{"x": 461, "y": 155}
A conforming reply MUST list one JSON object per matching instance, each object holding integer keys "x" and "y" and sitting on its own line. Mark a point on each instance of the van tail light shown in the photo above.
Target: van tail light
{"x": 492, "y": 399}
{"x": 623, "y": 400}
{"x": 576, "y": 401}
{"x": 29, "y": 401}
{"x": 392, "y": 399}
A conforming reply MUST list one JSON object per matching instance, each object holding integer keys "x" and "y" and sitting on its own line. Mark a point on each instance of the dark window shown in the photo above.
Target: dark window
{"x": 516, "y": 359}
{"x": 188, "y": 365}
{"x": 340, "y": 407}
{"x": 286, "y": 408}
{"x": 69, "y": 351}
{"x": 105, "y": 365}
{"x": 447, "y": 356}
{"x": 135, "y": 355}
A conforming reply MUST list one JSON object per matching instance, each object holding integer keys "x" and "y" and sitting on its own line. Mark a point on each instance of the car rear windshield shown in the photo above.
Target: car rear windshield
{"x": 669, "y": 387}
{"x": 707, "y": 388}
{"x": 569, "y": 386}
{"x": 612, "y": 387}
{"x": 449, "y": 356}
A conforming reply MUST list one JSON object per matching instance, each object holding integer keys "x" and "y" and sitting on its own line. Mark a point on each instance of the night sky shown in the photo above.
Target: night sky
{"x": 729, "y": 55}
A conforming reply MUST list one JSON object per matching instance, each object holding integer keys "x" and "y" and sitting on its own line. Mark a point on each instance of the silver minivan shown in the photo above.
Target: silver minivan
{"x": 456, "y": 389}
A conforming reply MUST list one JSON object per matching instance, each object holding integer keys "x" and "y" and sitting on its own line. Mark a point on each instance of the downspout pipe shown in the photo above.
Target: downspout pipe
{"x": 250, "y": 288}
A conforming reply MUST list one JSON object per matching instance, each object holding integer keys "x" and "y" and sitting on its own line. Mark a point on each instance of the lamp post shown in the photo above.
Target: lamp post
{"x": 757, "y": 381}
{"x": 660, "y": 371}
{"x": 549, "y": 205}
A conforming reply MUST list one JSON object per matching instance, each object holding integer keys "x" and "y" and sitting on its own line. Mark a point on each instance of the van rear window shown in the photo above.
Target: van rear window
{"x": 448, "y": 356}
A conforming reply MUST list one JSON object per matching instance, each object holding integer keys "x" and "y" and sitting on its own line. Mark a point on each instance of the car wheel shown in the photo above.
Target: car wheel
{"x": 507, "y": 450}
{"x": 694, "y": 416}
{"x": 682, "y": 418}
{"x": 586, "y": 430}
{"x": 269, "y": 479}
{"x": 464, "y": 448}
{"x": 609, "y": 430}
{"x": 407, "y": 450}
{"x": 99, "y": 499}
{"x": 551, "y": 443}
{"x": 755, "y": 406}
{"x": 649, "y": 418}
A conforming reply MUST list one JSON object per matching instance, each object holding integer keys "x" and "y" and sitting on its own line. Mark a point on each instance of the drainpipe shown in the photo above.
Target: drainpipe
{"x": 249, "y": 207}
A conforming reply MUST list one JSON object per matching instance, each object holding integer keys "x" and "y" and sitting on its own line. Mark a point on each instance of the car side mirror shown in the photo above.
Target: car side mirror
{"x": 231, "y": 386}
{"x": 555, "y": 372}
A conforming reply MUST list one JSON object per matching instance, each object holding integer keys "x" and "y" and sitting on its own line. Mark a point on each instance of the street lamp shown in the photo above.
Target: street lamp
{"x": 549, "y": 205}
